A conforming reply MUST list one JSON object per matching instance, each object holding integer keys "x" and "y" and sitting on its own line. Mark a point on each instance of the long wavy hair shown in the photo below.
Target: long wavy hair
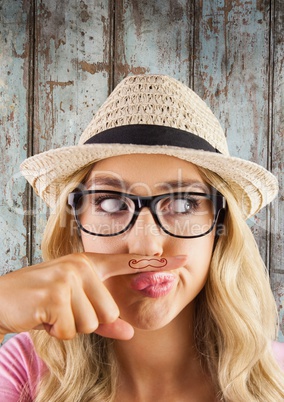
{"x": 235, "y": 319}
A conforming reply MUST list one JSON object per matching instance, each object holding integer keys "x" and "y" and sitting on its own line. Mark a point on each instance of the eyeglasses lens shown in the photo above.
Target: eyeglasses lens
{"x": 104, "y": 213}
{"x": 186, "y": 215}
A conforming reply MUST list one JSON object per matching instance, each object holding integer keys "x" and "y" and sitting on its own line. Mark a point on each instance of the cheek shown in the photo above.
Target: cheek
{"x": 201, "y": 250}
{"x": 198, "y": 250}
{"x": 103, "y": 245}
{"x": 198, "y": 263}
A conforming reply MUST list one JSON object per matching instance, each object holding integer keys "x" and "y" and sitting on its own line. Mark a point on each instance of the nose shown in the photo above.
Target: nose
{"x": 145, "y": 237}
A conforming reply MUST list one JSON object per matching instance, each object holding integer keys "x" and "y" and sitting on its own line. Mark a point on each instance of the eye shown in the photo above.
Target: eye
{"x": 111, "y": 205}
{"x": 181, "y": 205}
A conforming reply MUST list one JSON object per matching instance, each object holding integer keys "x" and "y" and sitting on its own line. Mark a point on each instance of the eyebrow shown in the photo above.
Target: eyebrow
{"x": 109, "y": 181}
{"x": 174, "y": 184}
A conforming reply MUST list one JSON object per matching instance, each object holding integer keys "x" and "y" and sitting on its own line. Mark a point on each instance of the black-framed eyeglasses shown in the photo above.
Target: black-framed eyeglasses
{"x": 179, "y": 214}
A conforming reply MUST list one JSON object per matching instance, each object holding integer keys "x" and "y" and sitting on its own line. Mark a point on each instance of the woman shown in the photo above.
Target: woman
{"x": 152, "y": 287}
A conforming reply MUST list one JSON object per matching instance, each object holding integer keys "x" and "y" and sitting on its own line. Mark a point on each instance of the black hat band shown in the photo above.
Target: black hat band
{"x": 147, "y": 134}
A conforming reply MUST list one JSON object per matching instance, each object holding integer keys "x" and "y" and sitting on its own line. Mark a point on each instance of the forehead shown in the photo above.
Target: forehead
{"x": 138, "y": 171}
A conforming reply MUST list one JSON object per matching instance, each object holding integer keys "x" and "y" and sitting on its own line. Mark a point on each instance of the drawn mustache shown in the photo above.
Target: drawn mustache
{"x": 144, "y": 263}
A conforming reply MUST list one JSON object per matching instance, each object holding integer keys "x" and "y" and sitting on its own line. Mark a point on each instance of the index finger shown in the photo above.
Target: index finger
{"x": 108, "y": 265}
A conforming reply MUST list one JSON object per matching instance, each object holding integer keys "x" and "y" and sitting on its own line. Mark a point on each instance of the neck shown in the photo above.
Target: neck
{"x": 171, "y": 345}
{"x": 167, "y": 354}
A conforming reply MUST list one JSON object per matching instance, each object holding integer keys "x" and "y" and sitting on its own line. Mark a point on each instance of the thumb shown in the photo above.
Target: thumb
{"x": 118, "y": 329}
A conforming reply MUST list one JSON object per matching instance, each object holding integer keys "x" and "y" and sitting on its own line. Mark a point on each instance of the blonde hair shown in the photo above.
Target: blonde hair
{"x": 236, "y": 317}
{"x": 235, "y": 320}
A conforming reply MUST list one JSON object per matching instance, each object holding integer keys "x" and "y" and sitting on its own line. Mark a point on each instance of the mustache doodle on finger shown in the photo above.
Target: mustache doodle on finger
{"x": 144, "y": 263}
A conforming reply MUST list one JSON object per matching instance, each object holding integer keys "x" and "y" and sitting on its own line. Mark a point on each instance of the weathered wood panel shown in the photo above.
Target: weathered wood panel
{"x": 14, "y": 105}
{"x": 277, "y": 157}
{"x": 231, "y": 73}
{"x": 239, "y": 70}
{"x": 153, "y": 37}
{"x": 72, "y": 76}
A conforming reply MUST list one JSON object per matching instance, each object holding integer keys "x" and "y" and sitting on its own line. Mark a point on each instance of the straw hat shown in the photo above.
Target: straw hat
{"x": 153, "y": 114}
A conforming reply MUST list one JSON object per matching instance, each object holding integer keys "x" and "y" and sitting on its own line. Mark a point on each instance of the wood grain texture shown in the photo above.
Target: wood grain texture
{"x": 277, "y": 157}
{"x": 14, "y": 106}
{"x": 231, "y": 74}
{"x": 153, "y": 37}
{"x": 72, "y": 74}
{"x": 59, "y": 61}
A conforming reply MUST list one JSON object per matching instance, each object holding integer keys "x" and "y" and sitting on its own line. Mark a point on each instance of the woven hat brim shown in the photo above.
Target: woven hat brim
{"x": 253, "y": 186}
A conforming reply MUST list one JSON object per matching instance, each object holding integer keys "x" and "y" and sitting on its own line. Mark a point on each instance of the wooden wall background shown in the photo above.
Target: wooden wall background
{"x": 60, "y": 59}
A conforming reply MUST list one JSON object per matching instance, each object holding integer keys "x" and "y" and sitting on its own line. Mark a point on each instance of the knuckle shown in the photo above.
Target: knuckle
{"x": 61, "y": 297}
{"x": 88, "y": 328}
{"x": 50, "y": 302}
{"x": 82, "y": 260}
{"x": 78, "y": 266}
{"x": 109, "y": 316}
{"x": 69, "y": 265}
{"x": 64, "y": 335}
{"x": 64, "y": 276}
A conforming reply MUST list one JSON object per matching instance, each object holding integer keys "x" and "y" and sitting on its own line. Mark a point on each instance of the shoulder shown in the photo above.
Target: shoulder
{"x": 278, "y": 352}
{"x": 19, "y": 347}
{"x": 20, "y": 367}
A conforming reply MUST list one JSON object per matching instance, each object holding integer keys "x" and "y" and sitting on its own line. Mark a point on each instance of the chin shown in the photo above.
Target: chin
{"x": 149, "y": 316}
{"x": 150, "y": 324}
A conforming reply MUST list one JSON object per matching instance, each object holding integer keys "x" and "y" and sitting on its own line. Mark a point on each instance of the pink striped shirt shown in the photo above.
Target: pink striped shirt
{"x": 21, "y": 369}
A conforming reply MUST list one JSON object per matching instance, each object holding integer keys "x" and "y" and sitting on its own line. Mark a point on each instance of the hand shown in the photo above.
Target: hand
{"x": 67, "y": 295}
